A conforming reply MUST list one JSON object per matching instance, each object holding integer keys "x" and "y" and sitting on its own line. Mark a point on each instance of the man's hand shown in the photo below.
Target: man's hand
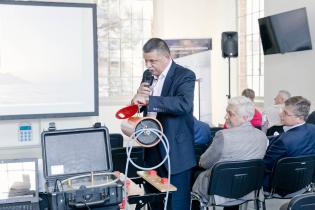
{"x": 142, "y": 96}
{"x": 144, "y": 89}
{"x": 140, "y": 99}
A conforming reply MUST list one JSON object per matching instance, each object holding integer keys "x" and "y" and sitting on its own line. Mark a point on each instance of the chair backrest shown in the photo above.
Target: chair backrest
{"x": 292, "y": 174}
{"x": 199, "y": 150}
{"x": 311, "y": 118}
{"x": 116, "y": 140}
{"x": 119, "y": 158}
{"x": 236, "y": 179}
{"x": 303, "y": 202}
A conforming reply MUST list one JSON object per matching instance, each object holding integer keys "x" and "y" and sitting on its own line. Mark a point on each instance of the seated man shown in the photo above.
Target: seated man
{"x": 202, "y": 132}
{"x": 272, "y": 114}
{"x": 256, "y": 120}
{"x": 241, "y": 141}
{"x": 202, "y": 139}
{"x": 298, "y": 137}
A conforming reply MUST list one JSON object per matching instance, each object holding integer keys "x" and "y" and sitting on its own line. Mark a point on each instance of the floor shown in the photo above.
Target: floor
{"x": 271, "y": 204}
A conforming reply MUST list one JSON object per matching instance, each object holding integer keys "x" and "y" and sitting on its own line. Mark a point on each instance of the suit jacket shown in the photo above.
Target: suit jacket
{"x": 175, "y": 112}
{"x": 239, "y": 143}
{"x": 202, "y": 132}
{"x": 295, "y": 142}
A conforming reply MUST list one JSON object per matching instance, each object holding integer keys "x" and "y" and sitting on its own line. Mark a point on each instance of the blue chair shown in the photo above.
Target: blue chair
{"x": 116, "y": 140}
{"x": 302, "y": 202}
{"x": 291, "y": 176}
{"x": 234, "y": 179}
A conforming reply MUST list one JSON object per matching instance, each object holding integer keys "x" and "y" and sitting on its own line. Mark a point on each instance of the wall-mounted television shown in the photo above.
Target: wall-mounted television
{"x": 48, "y": 60}
{"x": 285, "y": 32}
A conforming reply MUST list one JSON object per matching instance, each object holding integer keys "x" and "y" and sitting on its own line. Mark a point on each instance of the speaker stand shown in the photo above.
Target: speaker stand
{"x": 229, "y": 95}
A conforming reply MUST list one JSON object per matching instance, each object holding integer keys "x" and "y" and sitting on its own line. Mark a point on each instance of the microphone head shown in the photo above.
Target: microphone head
{"x": 147, "y": 77}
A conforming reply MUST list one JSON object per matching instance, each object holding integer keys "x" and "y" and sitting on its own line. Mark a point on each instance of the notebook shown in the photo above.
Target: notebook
{"x": 19, "y": 184}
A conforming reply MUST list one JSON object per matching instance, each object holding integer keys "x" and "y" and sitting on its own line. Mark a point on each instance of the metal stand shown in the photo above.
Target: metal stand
{"x": 229, "y": 95}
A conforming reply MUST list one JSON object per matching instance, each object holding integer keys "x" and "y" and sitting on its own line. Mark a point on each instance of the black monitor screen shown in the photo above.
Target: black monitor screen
{"x": 285, "y": 32}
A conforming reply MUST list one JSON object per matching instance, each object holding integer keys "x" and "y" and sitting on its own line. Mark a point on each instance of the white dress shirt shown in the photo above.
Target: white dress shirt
{"x": 286, "y": 128}
{"x": 157, "y": 86}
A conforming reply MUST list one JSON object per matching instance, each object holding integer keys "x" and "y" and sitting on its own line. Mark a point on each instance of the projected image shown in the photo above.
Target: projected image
{"x": 47, "y": 56}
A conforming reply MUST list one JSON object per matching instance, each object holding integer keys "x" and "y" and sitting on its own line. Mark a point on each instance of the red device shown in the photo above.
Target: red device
{"x": 127, "y": 112}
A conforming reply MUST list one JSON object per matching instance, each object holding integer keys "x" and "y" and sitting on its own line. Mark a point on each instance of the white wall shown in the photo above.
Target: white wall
{"x": 292, "y": 71}
{"x": 201, "y": 19}
{"x": 223, "y": 18}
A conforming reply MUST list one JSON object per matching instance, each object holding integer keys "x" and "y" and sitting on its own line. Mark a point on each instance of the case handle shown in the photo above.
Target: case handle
{"x": 83, "y": 205}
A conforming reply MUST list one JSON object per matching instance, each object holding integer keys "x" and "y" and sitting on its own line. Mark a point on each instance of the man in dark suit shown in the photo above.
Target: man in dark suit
{"x": 170, "y": 100}
{"x": 298, "y": 137}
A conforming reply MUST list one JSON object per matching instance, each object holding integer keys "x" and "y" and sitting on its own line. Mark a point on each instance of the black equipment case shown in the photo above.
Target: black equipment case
{"x": 76, "y": 156}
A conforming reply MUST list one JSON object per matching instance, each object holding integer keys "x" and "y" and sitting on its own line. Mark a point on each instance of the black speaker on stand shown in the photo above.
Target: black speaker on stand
{"x": 229, "y": 47}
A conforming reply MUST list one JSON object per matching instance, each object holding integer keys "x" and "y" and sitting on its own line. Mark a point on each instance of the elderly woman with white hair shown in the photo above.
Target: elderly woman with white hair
{"x": 241, "y": 141}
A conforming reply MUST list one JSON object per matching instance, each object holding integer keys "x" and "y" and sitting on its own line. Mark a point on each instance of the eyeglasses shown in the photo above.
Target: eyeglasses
{"x": 285, "y": 113}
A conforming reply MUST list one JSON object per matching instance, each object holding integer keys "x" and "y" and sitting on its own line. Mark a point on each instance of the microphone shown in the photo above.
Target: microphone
{"x": 147, "y": 77}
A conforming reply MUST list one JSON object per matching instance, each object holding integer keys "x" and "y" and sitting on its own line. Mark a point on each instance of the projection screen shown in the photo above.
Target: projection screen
{"x": 48, "y": 60}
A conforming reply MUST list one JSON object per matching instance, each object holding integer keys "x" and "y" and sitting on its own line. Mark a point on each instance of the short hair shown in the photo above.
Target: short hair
{"x": 156, "y": 44}
{"x": 249, "y": 93}
{"x": 244, "y": 106}
{"x": 300, "y": 106}
{"x": 284, "y": 94}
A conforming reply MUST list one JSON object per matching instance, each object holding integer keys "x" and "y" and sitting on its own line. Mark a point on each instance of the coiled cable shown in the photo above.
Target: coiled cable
{"x": 129, "y": 147}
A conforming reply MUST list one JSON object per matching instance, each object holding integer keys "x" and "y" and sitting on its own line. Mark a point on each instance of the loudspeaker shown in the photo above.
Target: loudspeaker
{"x": 229, "y": 45}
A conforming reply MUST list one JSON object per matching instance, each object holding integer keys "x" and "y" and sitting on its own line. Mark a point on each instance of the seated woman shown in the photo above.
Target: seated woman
{"x": 241, "y": 141}
{"x": 256, "y": 121}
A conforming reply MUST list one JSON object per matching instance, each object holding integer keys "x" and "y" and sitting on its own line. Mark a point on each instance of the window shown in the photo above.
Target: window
{"x": 123, "y": 27}
{"x": 251, "y": 57}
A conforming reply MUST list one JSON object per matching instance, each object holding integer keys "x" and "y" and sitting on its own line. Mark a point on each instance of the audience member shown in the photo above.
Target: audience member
{"x": 202, "y": 132}
{"x": 241, "y": 141}
{"x": 272, "y": 113}
{"x": 257, "y": 118}
{"x": 202, "y": 140}
{"x": 298, "y": 137}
